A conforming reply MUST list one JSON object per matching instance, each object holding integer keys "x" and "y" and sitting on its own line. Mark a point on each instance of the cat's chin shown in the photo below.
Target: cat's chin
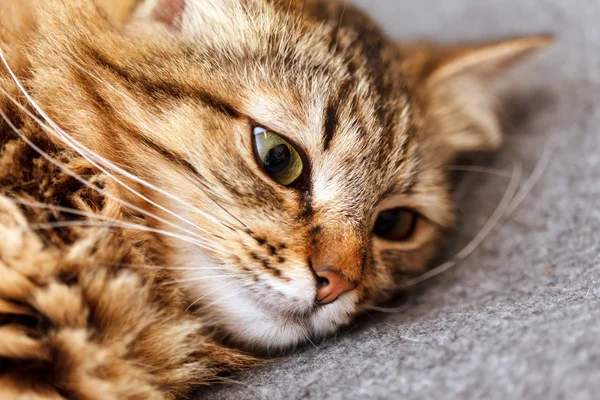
{"x": 265, "y": 321}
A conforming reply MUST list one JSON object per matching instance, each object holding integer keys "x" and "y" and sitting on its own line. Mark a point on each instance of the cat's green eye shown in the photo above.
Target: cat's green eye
{"x": 396, "y": 225}
{"x": 277, "y": 157}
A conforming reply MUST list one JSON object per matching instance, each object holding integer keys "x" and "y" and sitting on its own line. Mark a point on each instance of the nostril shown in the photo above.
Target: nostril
{"x": 322, "y": 282}
{"x": 330, "y": 285}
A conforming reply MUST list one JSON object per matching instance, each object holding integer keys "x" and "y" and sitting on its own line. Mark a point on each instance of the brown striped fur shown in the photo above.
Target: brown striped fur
{"x": 171, "y": 96}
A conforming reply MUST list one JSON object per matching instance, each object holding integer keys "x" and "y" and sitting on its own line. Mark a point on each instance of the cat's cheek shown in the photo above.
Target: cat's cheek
{"x": 292, "y": 290}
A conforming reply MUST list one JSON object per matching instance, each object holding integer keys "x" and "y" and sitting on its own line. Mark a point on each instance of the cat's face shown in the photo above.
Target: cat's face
{"x": 298, "y": 160}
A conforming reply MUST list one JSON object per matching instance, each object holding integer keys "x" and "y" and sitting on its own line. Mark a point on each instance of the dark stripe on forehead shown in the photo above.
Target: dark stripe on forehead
{"x": 368, "y": 54}
{"x": 344, "y": 98}
{"x": 162, "y": 87}
{"x": 331, "y": 121}
{"x": 307, "y": 211}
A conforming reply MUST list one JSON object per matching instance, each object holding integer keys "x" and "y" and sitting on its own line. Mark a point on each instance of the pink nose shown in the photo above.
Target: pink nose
{"x": 331, "y": 285}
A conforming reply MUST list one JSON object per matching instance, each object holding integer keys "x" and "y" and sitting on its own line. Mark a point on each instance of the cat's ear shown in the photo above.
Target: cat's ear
{"x": 168, "y": 12}
{"x": 456, "y": 85}
{"x": 188, "y": 16}
{"x": 123, "y": 12}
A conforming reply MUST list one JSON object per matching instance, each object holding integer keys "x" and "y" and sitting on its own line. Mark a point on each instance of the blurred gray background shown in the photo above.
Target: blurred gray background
{"x": 520, "y": 318}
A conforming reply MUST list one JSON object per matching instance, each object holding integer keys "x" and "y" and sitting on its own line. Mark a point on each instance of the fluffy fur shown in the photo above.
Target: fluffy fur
{"x": 137, "y": 228}
{"x": 80, "y": 316}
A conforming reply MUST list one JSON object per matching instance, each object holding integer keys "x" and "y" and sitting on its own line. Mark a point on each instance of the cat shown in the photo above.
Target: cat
{"x": 184, "y": 183}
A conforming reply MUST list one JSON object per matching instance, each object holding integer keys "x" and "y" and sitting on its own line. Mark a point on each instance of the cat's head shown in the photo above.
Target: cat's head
{"x": 296, "y": 155}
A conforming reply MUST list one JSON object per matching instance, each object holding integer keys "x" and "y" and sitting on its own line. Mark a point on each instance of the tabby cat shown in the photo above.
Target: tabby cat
{"x": 186, "y": 182}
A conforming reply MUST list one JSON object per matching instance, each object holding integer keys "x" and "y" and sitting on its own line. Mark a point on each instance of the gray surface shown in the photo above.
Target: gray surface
{"x": 521, "y": 317}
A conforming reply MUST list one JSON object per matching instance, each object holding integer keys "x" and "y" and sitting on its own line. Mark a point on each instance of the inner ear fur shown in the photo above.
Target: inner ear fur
{"x": 455, "y": 86}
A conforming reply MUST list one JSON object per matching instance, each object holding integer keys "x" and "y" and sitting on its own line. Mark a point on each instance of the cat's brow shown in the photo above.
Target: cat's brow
{"x": 153, "y": 87}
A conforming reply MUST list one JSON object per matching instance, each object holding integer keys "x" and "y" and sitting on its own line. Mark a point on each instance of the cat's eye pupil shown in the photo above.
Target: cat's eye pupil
{"x": 385, "y": 222}
{"x": 277, "y": 159}
{"x": 396, "y": 225}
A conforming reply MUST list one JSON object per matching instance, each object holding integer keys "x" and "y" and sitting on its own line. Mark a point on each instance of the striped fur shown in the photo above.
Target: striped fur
{"x": 160, "y": 99}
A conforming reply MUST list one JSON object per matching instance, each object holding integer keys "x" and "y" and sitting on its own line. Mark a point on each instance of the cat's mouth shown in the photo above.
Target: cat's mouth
{"x": 266, "y": 317}
{"x": 287, "y": 324}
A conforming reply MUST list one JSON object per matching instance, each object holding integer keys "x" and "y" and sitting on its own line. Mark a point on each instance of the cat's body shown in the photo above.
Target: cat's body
{"x": 140, "y": 218}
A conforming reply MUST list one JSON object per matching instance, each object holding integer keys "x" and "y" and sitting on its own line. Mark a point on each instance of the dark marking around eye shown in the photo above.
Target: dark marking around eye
{"x": 307, "y": 208}
{"x": 169, "y": 155}
{"x": 366, "y": 254}
{"x": 228, "y": 184}
{"x": 314, "y": 233}
{"x": 314, "y": 239}
{"x": 331, "y": 121}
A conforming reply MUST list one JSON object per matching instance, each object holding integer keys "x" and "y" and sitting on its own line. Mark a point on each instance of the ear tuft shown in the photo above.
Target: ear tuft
{"x": 487, "y": 60}
{"x": 456, "y": 85}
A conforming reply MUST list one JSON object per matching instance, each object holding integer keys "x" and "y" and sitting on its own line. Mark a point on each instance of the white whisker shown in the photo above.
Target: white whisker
{"x": 478, "y": 169}
{"x": 310, "y": 341}
{"x": 49, "y": 130}
{"x": 222, "y": 299}
{"x": 203, "y": 244}
{"x": 81, "y": 149}
{"x": 85, "y": 182}
{"x": 208, "y": 294}
{"x": 122, "y": 171}
{"x": 496, "y": 216}
{"x": 491, "y": 223}
{"x": 160, "y": 267}
{"x": 101, "y": 224}
{"x": 533, "y": 178}
{"x": 202, "y": 278}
